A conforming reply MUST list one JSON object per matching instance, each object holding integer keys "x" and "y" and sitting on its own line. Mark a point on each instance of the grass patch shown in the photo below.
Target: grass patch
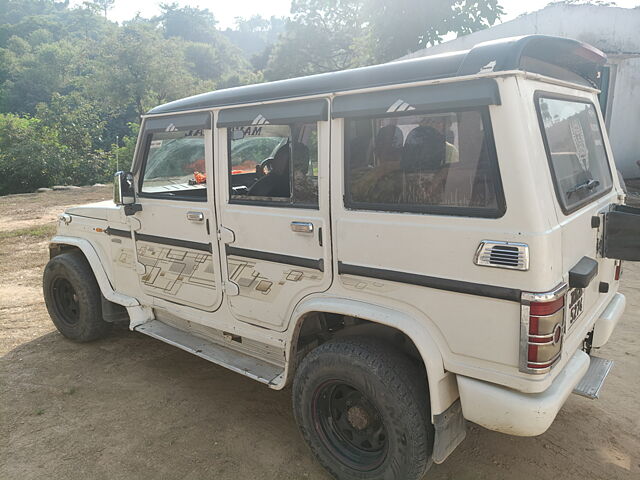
{"x": 38, "y": 231}
{"x": 70, "y": 391}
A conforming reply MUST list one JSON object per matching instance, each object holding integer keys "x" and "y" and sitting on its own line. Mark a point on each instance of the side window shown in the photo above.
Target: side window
{"x": 432, "y": 163}
{"x": 175, "y": 165}
{"x": 274, "y": 163}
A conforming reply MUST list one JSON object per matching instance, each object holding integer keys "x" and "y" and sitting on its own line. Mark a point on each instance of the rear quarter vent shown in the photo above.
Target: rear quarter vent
{"x": 510, "y": 255}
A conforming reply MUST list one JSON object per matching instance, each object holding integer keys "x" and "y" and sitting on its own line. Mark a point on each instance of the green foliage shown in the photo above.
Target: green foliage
{"x": 322, "y": 36}
{"x": 72, "y": 82}
{"x": 328, "y": 35}
{"x": 403, "y": 26}
{"x": 30, "y": 155}
{"x": 124, "y": 154}
{"x": 256, "y": 34}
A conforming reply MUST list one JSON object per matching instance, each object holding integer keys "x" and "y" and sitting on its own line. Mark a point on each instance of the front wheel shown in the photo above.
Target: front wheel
{"x": 363, "y": 409}
{"x": 72, "y": 296}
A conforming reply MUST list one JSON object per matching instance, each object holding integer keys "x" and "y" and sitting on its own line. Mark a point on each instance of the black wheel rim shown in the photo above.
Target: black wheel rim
{"x": 349, "y": 426}
{"x": 66, "y": 301}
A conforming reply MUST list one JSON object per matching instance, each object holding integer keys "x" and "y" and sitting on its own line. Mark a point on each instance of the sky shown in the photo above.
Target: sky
{"x": 226, "y": 12}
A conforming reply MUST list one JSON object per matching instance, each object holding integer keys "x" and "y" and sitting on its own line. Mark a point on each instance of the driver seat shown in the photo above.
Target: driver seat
{"x": 273, "y": 184}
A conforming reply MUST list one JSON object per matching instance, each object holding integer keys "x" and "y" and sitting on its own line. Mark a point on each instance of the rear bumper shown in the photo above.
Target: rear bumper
{"x": 608, "y": 320}
{"x": 515, "y": 413}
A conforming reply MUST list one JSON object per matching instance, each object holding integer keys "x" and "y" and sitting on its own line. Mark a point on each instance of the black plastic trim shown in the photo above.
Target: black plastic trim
{"x": 117, "y": 232}
{"x": 570, "y": 98}
{"x": 172, "y": 197}
{"x": 478, "y": 289}
{"x": 174, "y": 242}
{"x": 286, "y": 202}
{"x": 458, "y": 95}
{"x": 305, "y": 111}
{"x": 277, "y": 258}
{"x": 622, "y": 233}
{"x": 582, "y": 273}
{"x": 174, "y": 122}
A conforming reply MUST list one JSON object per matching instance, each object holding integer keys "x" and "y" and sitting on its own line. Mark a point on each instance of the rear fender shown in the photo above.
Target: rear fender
{"x": 443, "y": 389}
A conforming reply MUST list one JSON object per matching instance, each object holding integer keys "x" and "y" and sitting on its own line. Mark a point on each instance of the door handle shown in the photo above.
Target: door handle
{"x": 195, "y": 216}
{"x": 302, "y": 227}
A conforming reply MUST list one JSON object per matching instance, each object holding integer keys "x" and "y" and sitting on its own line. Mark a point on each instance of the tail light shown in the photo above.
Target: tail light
{"x": 541, "y": 329}
{"x": 618, "y": 269}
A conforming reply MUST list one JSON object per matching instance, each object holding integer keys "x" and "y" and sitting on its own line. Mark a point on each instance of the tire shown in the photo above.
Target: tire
{"x": 73, "y": 298}
{"x": 363, "y": 409}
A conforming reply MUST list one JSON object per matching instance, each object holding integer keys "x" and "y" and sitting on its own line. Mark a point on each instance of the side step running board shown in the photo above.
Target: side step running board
{"x": 226, "y": 357}
{"x": 593, "y": 380}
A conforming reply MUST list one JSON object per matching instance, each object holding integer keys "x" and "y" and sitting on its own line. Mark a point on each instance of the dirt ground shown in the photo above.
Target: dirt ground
{"x": 131, "y": 407}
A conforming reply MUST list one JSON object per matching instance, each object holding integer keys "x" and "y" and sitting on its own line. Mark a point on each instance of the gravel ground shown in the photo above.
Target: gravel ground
{"x": 130, "y": 407}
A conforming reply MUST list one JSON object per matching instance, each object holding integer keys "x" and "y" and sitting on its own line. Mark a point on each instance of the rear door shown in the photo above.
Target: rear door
{"x": 420, "y": 189}
{"x": 274, "y": 207}
{"x": 177, "y": 260}
{"x": 581, "y": 169}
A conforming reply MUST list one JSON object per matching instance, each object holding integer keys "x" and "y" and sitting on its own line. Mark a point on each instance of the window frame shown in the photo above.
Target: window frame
{"x": 443, "y": 210}
{"x": 274, "y": 202}
{"x": 148, "y": 135}
{"x": 537, "y": 95}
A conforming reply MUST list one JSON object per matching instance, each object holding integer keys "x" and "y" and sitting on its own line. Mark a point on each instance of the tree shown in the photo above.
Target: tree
{"x": 188, "y": 23}
{"x": 322, "y": 36}
{"x": 30, "y": 155}
{"x": 104, "y": 5}
{"x": 404, "y": 26}
{"x": 255, "y": 34}
{"x": 326, "y": 35}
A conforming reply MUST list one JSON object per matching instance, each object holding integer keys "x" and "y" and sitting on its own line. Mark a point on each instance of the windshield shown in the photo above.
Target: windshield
{"x": 576, "y": 151}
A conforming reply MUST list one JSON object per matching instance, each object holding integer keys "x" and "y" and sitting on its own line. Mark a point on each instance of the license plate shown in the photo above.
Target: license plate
{"x": 576, "y": 305}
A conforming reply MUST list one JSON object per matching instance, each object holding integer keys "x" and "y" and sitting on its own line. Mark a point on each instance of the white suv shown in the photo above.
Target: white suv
{"x": 409, "y": 245}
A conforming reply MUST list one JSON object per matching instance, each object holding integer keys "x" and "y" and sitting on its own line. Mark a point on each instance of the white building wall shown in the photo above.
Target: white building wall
{"x": 615, "y": 31}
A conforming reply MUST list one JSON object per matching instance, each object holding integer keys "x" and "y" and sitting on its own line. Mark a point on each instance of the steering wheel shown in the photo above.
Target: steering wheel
{"x": 264, "y": 168}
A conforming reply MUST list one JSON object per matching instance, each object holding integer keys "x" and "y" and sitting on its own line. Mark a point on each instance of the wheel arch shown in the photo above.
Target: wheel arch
{"x": 62, "y": 244}
{"x": 443, "y": 390}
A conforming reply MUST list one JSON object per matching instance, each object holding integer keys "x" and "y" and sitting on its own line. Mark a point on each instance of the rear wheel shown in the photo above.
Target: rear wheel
{"x": 363, "y": 409}
{"x": 73, "y": 300}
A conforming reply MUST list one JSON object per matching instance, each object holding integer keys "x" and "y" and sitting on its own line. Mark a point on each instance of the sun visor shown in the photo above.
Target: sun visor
{"x": 467, "y": 94}
{"x": 276, "y": 113}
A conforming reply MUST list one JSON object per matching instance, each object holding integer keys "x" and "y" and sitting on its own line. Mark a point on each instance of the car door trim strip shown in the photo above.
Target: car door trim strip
{"x": 117, "y": 232}
{"x": 479, "y": 289}
{"x": 174, "y": 242}
{"x": 277, "y": 258}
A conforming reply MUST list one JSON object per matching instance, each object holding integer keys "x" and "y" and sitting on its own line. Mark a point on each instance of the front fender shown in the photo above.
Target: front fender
{"x": 443, "y": 389}
{"x": 98, "y": 271}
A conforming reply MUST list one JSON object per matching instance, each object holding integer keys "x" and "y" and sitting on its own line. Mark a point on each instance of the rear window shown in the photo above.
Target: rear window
{"x": 575, "y": 147}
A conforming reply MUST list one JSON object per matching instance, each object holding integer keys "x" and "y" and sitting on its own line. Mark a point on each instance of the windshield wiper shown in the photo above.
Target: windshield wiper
{"x": 588, "y": 185}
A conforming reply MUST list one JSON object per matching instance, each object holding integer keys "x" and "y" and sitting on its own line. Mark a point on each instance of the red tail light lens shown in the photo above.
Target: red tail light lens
{"x": 542, "y": 330}
{"x": 618, "y": 270}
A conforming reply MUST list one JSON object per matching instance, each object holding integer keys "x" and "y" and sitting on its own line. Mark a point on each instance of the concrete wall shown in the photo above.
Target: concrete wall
{"x": 624, "y": 121}
{"x": 615, "y": 31}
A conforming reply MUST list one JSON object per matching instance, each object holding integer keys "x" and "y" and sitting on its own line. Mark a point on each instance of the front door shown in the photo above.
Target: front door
{"x": 274, "y": 207}
{"x": 177, "y": 261}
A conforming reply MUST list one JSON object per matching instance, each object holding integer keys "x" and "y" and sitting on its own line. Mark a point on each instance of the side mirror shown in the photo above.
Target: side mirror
{"x": 123, "y": 190}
